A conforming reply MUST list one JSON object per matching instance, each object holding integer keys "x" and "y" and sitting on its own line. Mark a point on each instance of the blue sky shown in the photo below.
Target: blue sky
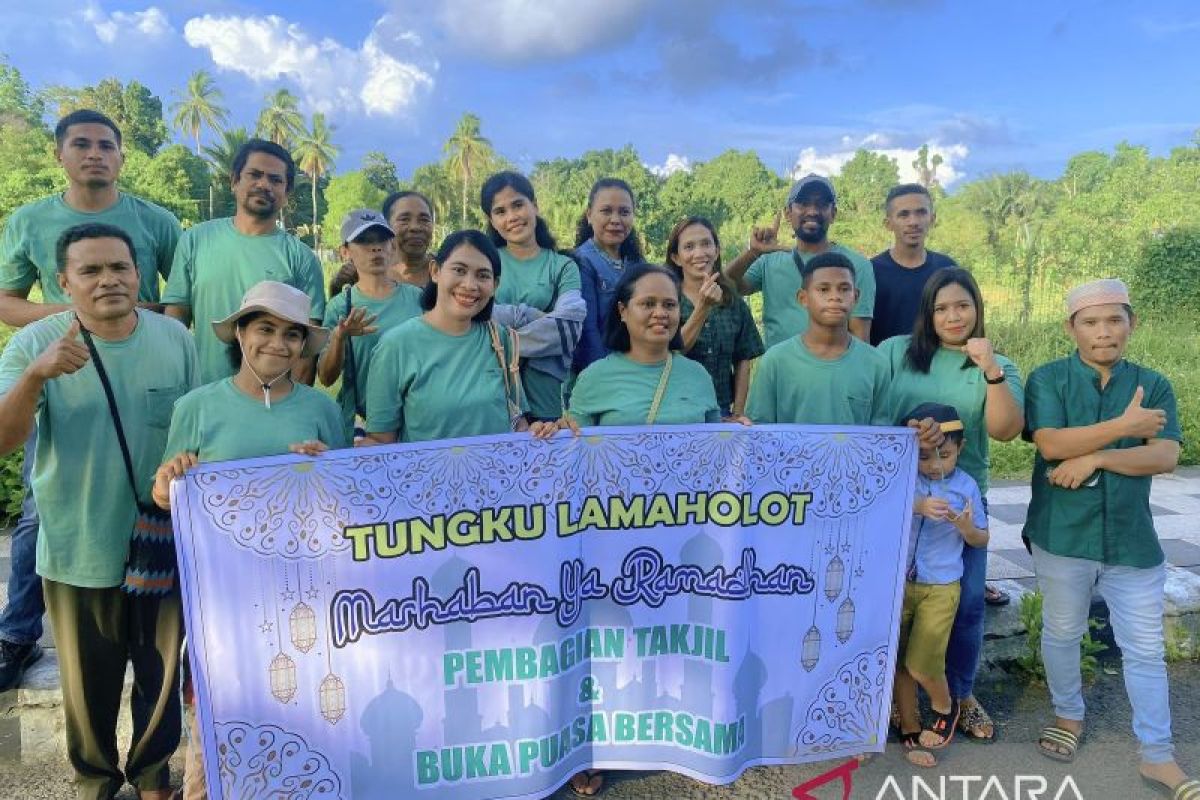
{"x": 993, "y": 87}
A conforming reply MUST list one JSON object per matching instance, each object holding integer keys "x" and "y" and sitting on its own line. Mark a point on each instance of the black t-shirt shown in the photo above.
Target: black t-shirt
{"x": 898, "y": 293}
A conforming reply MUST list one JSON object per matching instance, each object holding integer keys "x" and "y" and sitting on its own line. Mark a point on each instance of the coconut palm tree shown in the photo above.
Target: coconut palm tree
{"x": 280, "y": 120}
{"x": 220, "y": 155}
{"x": 199, "y": 107}
{"x": 466, "y": 150}
{"x": 315, "y": 154}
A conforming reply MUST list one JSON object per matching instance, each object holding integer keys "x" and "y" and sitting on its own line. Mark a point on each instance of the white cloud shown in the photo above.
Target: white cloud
{"x": 150, "y": 24}
{"x": 527, "y": 30}
{"x": 674, "y": 163}
{"x": 831, "y": 162}
{"x": 330, "y": 75}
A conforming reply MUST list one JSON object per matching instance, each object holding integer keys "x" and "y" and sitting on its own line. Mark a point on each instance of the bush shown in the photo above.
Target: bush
{"x": 1030, "y": 661}
{"x": 1166, "y": 281}
{"x": 12, "y": 488}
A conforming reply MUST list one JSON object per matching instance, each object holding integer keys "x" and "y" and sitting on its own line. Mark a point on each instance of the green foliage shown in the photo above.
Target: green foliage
{"x": 380, "y": 172}
{"x": 346, "y": 192}
{"x": 18, "y": 103}
{"x": 135, "y": 110}
{"x": 280, "y": 120}
{"x": 199, "y": 107}
{"x": 30, "y": 168}
{"x": 175, "y": 178}
{"x": 12, "y": 488}
{"x": 1166, "y": 280}
{"x": 1030, "y": 660}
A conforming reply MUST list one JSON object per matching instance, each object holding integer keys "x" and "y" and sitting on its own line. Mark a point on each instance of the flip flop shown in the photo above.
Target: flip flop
{"x": 912, "y": 746}
{"x": 995, "y": 596}
{"x": 1188, "y": 789}
{"x": 592, "y": 775}
{"x": 1064, "y": 739}
{"x": 944, "y": 725}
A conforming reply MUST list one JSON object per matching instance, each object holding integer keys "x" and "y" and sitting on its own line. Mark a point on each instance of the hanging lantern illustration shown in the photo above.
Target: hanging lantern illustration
{"x": 835, "y": 574}
{"x": 333, "y": 698}
{"x": 283, "y": 677}
{"x": 845, "y": 620}
{"x": 303, "y": 626}
{"x": 810, "y": 652}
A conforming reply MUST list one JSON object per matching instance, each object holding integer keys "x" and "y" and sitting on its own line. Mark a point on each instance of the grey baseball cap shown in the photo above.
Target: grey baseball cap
{"x": 809, "y": 181}
{"x": 360, "y": 220}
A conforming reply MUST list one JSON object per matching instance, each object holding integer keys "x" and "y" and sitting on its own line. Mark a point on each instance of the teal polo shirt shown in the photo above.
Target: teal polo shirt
{"x": 1109, "y": 520}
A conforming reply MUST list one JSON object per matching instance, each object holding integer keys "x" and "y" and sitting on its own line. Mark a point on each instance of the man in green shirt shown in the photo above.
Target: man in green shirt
{"x": 51, "y": 379}
{"x": 88, "y": 146}
{"x": 773, "y": 269}
{"x": 217, "y": 261}
{"x": 1103, "y": 426}
{"x": 823, "y": 376}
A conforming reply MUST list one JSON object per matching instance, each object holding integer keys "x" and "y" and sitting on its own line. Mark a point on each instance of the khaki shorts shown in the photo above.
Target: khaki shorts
{"x": 925, "y": 624}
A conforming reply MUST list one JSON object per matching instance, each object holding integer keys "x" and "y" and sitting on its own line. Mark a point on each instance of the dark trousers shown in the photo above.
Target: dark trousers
{"x": 97, "y": 632}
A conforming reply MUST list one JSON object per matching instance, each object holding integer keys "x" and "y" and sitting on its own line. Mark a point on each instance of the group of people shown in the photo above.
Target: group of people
{"x": 501, "y": 330}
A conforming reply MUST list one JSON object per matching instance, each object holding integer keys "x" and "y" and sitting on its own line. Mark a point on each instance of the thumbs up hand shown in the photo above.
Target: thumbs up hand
{"x": 64, "y": 356}
{"x": 1141, "y": 422}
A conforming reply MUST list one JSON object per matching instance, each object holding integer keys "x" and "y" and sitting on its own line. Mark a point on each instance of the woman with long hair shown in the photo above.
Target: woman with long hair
{"x": 718, "y": 330}
{"x": 540, "y": 293}
{"x": 949, "y": 359}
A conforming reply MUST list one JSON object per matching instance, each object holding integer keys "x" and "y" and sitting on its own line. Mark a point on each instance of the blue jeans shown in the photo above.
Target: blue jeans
{"x": 1135, "y": 607}
{"x": 21, "y": 621}
{"x": 966, "y": 637}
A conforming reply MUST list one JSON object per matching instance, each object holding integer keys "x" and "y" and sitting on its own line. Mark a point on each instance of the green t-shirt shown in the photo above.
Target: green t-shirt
{"x": 402, "y": 305}
{"x": 948, "y": 383}
{"x": 426, "y": 385}
{"x": 538, "y": 282}
{"x": 777, "y": 277}
{"x": 619, "y": 391}
{"x": 1107, "y": 519}
{"x": 27, "y": 249}
{"x": 79, "y": 480}
{"x": 214, "y": 266}
{"x": 794, "y": 386}
{"x": 219, "y": 422}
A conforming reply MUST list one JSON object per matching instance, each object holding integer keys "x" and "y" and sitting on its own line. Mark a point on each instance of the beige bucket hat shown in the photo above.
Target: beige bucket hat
{"x": 279, "y": 300}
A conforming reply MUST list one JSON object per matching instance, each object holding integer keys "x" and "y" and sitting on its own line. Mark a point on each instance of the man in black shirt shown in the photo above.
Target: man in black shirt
{"x": 902, "y": 270}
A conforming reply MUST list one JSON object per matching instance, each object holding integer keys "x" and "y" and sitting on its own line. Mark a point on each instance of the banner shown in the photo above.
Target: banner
{"x": 485, "y": 617}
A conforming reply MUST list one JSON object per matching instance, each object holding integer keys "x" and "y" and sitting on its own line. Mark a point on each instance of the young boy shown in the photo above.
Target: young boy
{"x": 364, "y": 310}
{"x": 944, "y": 514}
{"x": 823, "y": 376}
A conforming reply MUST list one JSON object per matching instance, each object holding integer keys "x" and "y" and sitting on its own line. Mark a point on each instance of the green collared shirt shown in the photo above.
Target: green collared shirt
{"x": 727, "y": 338}
{"x": 1108, "y": 519}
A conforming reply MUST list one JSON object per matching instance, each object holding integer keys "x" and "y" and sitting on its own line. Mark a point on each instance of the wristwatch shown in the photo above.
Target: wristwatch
{"x": 997, "y": 380}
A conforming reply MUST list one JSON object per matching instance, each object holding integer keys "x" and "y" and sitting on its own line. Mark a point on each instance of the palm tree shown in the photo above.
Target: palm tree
{"x": 280, "y": 120}
{"x": 465, "y": 150}
{"x": 315, "y": 154}
{"x": 220, "y": 155}
{"x": 199, "y": 107}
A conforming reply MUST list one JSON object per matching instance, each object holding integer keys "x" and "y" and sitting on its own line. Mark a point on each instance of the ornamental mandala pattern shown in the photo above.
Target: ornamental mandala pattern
{"x": 729, "y": 460}
{"x": 630, "y": 462}
{"x": 848, "y": 707}
{"x": 441, "y": 480}
{"x": 267, "y": 761}
{"x": 295, "y": 510}
{"x": 845, "y": 472}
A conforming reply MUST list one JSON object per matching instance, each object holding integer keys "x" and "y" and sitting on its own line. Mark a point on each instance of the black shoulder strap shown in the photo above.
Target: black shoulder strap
{"x": 112, "y": 407}
{"x": 350, "y": 371}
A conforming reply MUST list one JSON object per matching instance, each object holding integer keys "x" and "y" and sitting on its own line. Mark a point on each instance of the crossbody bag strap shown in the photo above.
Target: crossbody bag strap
{"x": 112, "y": 407}
{"x": 661, "y": 390}
{"x": 510, "y": 367}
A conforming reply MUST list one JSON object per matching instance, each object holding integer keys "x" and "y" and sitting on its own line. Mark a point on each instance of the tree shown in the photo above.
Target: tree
{"x": 435, "y": 182}
{"x": 30, "y": 170}
{"x": 380, "y": 172}
{"x": 199, "y": 107}
{"x": 175, "y": 178}
{"x": 220, "y": 156}
{"x": 465, "y": 149}
{"x": 315, "y": 154}
{"x": 926, "y": 167}
{"x": 135, "y": 110}
{"x": 343, "y": 194}
{"x": 18, "y": 103}
{"x": 280, "y": 120}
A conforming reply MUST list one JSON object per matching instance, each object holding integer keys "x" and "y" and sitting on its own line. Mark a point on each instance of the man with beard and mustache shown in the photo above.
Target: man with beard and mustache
{"x": 769, "y": 267}
{"x": 88, "y": 146}
{"x": 217, "y": 261}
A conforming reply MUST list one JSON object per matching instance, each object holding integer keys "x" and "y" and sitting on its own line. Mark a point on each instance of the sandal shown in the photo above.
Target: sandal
{"x": 995, "y": 596}
{"x": 943, "y": 726}
{"x": 913, "y": 747}
{"x": 586, "y": 789}
{"x": 1063, "y": 743}
{"x": 972, "y": 718}
{"x": 1188, "y": 789}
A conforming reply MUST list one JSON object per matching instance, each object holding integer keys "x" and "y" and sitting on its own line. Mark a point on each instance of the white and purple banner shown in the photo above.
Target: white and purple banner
{"x": 485, "y": 617}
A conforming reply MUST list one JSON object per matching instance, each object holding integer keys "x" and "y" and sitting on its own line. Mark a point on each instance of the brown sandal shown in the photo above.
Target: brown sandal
{"x": 972, "y": 718}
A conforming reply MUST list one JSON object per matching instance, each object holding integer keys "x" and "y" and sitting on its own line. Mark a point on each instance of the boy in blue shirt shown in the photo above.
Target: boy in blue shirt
{"x": 944, "y": 512}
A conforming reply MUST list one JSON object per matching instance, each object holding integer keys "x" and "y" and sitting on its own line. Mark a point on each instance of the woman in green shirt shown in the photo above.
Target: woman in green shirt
{"x": 540, "y": 293}
{"x": 718, "y": 330}
{"x": 440, "y": 375}
{"x": 260, "y": 411}
{"x": 948, "y": 359}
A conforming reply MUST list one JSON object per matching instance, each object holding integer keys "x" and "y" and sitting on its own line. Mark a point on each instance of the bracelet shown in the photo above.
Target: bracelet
{"x": 999, "y": 380}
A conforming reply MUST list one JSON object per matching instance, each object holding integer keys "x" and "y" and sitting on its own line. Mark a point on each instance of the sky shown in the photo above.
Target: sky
{"x": 992, "y": 87}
